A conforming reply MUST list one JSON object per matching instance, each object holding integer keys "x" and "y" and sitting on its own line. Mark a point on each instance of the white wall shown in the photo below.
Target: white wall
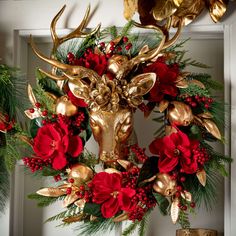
{"x": 19, "y": 15}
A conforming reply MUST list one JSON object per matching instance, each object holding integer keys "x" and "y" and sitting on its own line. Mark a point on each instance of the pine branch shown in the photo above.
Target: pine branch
{"x": 184, "y": 220}
{"x": 193, "y": 90}
{"x": 131, "y": 228}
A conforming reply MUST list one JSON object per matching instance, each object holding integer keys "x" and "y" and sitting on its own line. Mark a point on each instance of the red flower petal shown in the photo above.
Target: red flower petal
{"x": 167, "y": 164}
{"x": 110, "y": 207}
{"x": 75, "y": 146}
{"x": 124, "y": 198}
{"x": 59, "y": 162}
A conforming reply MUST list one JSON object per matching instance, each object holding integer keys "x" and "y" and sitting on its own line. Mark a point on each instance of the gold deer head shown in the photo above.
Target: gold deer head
{"x": 111, "y": 103}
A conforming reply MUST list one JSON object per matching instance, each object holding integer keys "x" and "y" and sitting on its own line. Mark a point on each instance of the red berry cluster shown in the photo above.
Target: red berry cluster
{"x": 72, "y": 60}
{"x": 201, "y": 155}
{"x": 57, "y": 177}
{"x": 196, "y": 100}
{"x": 79, "y": 119}
{"x": 184, "y": 207}
{"x": 35, "y": 163}
{"x": 139, "y": 152}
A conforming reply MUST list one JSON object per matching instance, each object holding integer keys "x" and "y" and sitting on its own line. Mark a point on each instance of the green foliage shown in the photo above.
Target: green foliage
{"x": 163, "y": 203}
{"x": 88, "y": 158}
{"x": 193, "y": 90}
{"x": 43, "y": 201}
{"x": 93, "y": 209}
{"x": 184, "y": 220}
{"x": 131, "y": 228}
{"x": 35, "y": 124}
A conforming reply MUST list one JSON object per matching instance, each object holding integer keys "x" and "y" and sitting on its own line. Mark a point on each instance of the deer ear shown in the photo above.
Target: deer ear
{"x": 79, "y": 89}
{"x": 139, "y": 86}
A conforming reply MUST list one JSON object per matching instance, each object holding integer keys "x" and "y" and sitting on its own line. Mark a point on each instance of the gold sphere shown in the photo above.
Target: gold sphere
{"x": 115, "y": 62}
{"x": 180, "y": 114}
{"x": 80, "y": 173}
{"x": 65, "y": 107}
{"x": 165, "y": 185}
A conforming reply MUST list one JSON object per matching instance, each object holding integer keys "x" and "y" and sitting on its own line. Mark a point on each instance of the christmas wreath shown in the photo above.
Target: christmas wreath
{"x": 95, "y": 86}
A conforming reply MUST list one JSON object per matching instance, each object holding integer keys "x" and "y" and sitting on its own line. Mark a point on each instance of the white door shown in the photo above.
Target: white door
{"x": 210, "y": 44}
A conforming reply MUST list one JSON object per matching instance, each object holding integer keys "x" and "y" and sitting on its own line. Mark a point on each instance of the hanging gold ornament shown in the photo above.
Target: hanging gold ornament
{"x": 115, "y": 63}
{"x": 201, "y": 175}
{"x": 65, "y": 107}
{"x": 165, "y": 185}
{"x": 179, "y": 114}
{"x": 174, "y": 210}
{"x": 217, "y": 9}
{"x": 212, "y": 128}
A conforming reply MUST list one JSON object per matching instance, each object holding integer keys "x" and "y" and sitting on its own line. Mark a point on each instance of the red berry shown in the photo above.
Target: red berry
{"x": 70, "y": 55}
{"x": 71, "y": 180}
{"x": 54, "y": 116}
{"x": 112, "y": 44}
{"x": 193, "y": 204}
{"x": 44, "y": 122}
{"x": 37, "y": 104}
{"x": 184, "y": 208}
{"x": 45, "y": 113}
{"x": 177, "y": 194}
{"x": 182, "y": 179}
{"x": 179, "y": 188}
{"x": 112, "y": 48}
{"x": 206, "y": 106}
{"x": 119, "y": 49}
{"x": 68, "y": 191}
{"x": 82, "y": 187}
{"x": 125, "y": 39}
{"x": 31, "y": 110}
{"x": 102, "y": 44}
{"x": 128, "y": 46}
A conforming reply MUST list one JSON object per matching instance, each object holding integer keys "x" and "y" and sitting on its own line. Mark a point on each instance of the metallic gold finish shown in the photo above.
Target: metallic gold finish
{"x": 130, "y": 7}
{"x": 115, "y": 63}
{"x": 196, "y": 232}
{"x": 80, "y": 203}
{"x": 75, "y": 218}
{"x": 212, "y": 128}
{"x": 186, "y": 195}
{"x": 121, "y": 217}
{"x": 217, "y": 9}
{"x": 52, "y": 192}
{"x": 65, "y": 107}
{"x": 202, "y": 177}
{"x": 206, "y": 115}
{"x": 165, "y": 185}
{"x": 197, "y": 82}
{"x": 165, "y": 8}
{"x": 174, "y": 210}
{"x": 163, "y": 105}
{"x": 180, "y": 114}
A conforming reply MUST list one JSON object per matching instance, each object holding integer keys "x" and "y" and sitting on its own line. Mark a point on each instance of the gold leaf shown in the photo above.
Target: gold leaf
{"x": 130, "y": 7}
{"x": 31, "y": 95}
{"x": 170, "y": 129}
{"x": 72, "y": 219}
{"x": 188, "y": 10}
{"x": 121, "y": 217}
{"x": 70, "y": 198}
{"x": 33, "y": 115}
{"x": 26, "y": 139}
{"x": 217, "y": 9}
{"x": 174, "y": 210}
{"x": 125, "y": 164}
{"x": 212, "y": 128}
{"x": 198, "y": 120}
{"x": 165, "y": 8}
{"x": 163, "y": 105}
{"x": 182, "y": 76}
{"x": 80, "y": 203}
{"x": 186, "y": 195}
{"x": 111, "y": 171}
{"x": 198, "y": 83}
{"x": 143, "y": 50}
{"x": 51, "y": 192}
{"x": 206, "y": 115}
{"x": 201, "y": 175}
{"x": 93, "y": 218}
{"x": 182, "y": 84}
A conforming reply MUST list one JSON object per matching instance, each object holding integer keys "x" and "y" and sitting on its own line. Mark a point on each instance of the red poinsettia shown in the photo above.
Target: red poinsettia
{"x": 54, "y": 141}
{"x": 108, "y": 191}
{"x": 173, "y": 150}
{"x": 166, "y": 79}
{"x": 76, "y": 101}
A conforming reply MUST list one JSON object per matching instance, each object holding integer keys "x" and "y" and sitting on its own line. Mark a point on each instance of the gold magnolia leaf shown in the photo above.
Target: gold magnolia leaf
{"x": 33, "y": 115}
{"x": 174, "y": 210}
{"x": 51, "y": 192}
{"x": 130, "y": 7}
{"x": 125, "y": 164}
{"x": 163, "y": 105}
{"x": 72, "y": 219}
{"x": 93, "y": 218}
{"x": 198, "y": 120}
{"x": 31, "y": 95}
{"x": 182, "y": 76}
{"x": 197, "y": 82}
{"x": 182, "y": 84}
{"x": 26, "y": 139}
{"x": 217, "y": 9}
{"x": 186, "y": 195}
{"x": 206, "y": 115}
{"x": 111, "y": 171}
{"x": 70, "y": 198}
{"x": 143, "y": 50}
{"x": 121, "y": 217}
{"x": 170, "y": 129}
{"x": 188, "y": 10}
{"x": 201, "y": 175}
{"x": 80, "y": 203}
{"x": 212, "y": 128}
{"x": 165, "y": 8}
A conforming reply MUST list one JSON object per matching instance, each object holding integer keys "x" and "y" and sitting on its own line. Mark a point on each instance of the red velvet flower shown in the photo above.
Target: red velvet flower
{"x": 108, "y": 191}
{"x": 53, "y": 141}
{"x": 165, "y": 83}
{"x": 5, "y": 123}
{"x": 76, "y": 101}
{"x": 173, "y": 150}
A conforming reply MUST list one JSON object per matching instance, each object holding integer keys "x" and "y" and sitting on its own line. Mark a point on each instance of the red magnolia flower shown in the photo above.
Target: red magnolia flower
{"x": 76, "y": 101}
{"x": 165, "y": 83}
{"x": 54, "y": 141}
{"x": 108, "y": 191}
{"x": 173, "y": 150}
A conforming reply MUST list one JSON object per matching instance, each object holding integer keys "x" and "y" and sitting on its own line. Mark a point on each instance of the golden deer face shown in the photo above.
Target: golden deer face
{"x": 111, "y": 130}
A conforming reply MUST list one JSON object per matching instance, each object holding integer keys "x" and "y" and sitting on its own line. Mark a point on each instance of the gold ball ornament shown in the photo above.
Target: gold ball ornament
{"x": 115, "y": 63}
{"x": 165, "y": 185}
{"x": 65, "y": 107}
{"x": 80, "y": 173}
{"x": 180, "y": 114}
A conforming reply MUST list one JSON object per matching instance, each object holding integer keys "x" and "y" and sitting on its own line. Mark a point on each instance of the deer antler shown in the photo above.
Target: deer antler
{"x": 149, "y": 55}
{"x": 74, "y": 70}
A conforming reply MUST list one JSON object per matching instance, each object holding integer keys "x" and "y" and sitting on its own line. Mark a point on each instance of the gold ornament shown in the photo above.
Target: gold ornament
{"x": 196, "y": 232}
{"x": 165, "y": 185}
{"x": 65, "y": 107}
{"x": 186, "y": 196}
{"x": 201, "y": 175}
{"x": 130, "y": 7}
{"x": 75, "y": 218}
{"x": 115, "y": 63}
{"x": 217, "y": 9}
{"x": 180, "y": 114}
{"x": 174, "y": 210}
{"x": 211, "y": 128}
